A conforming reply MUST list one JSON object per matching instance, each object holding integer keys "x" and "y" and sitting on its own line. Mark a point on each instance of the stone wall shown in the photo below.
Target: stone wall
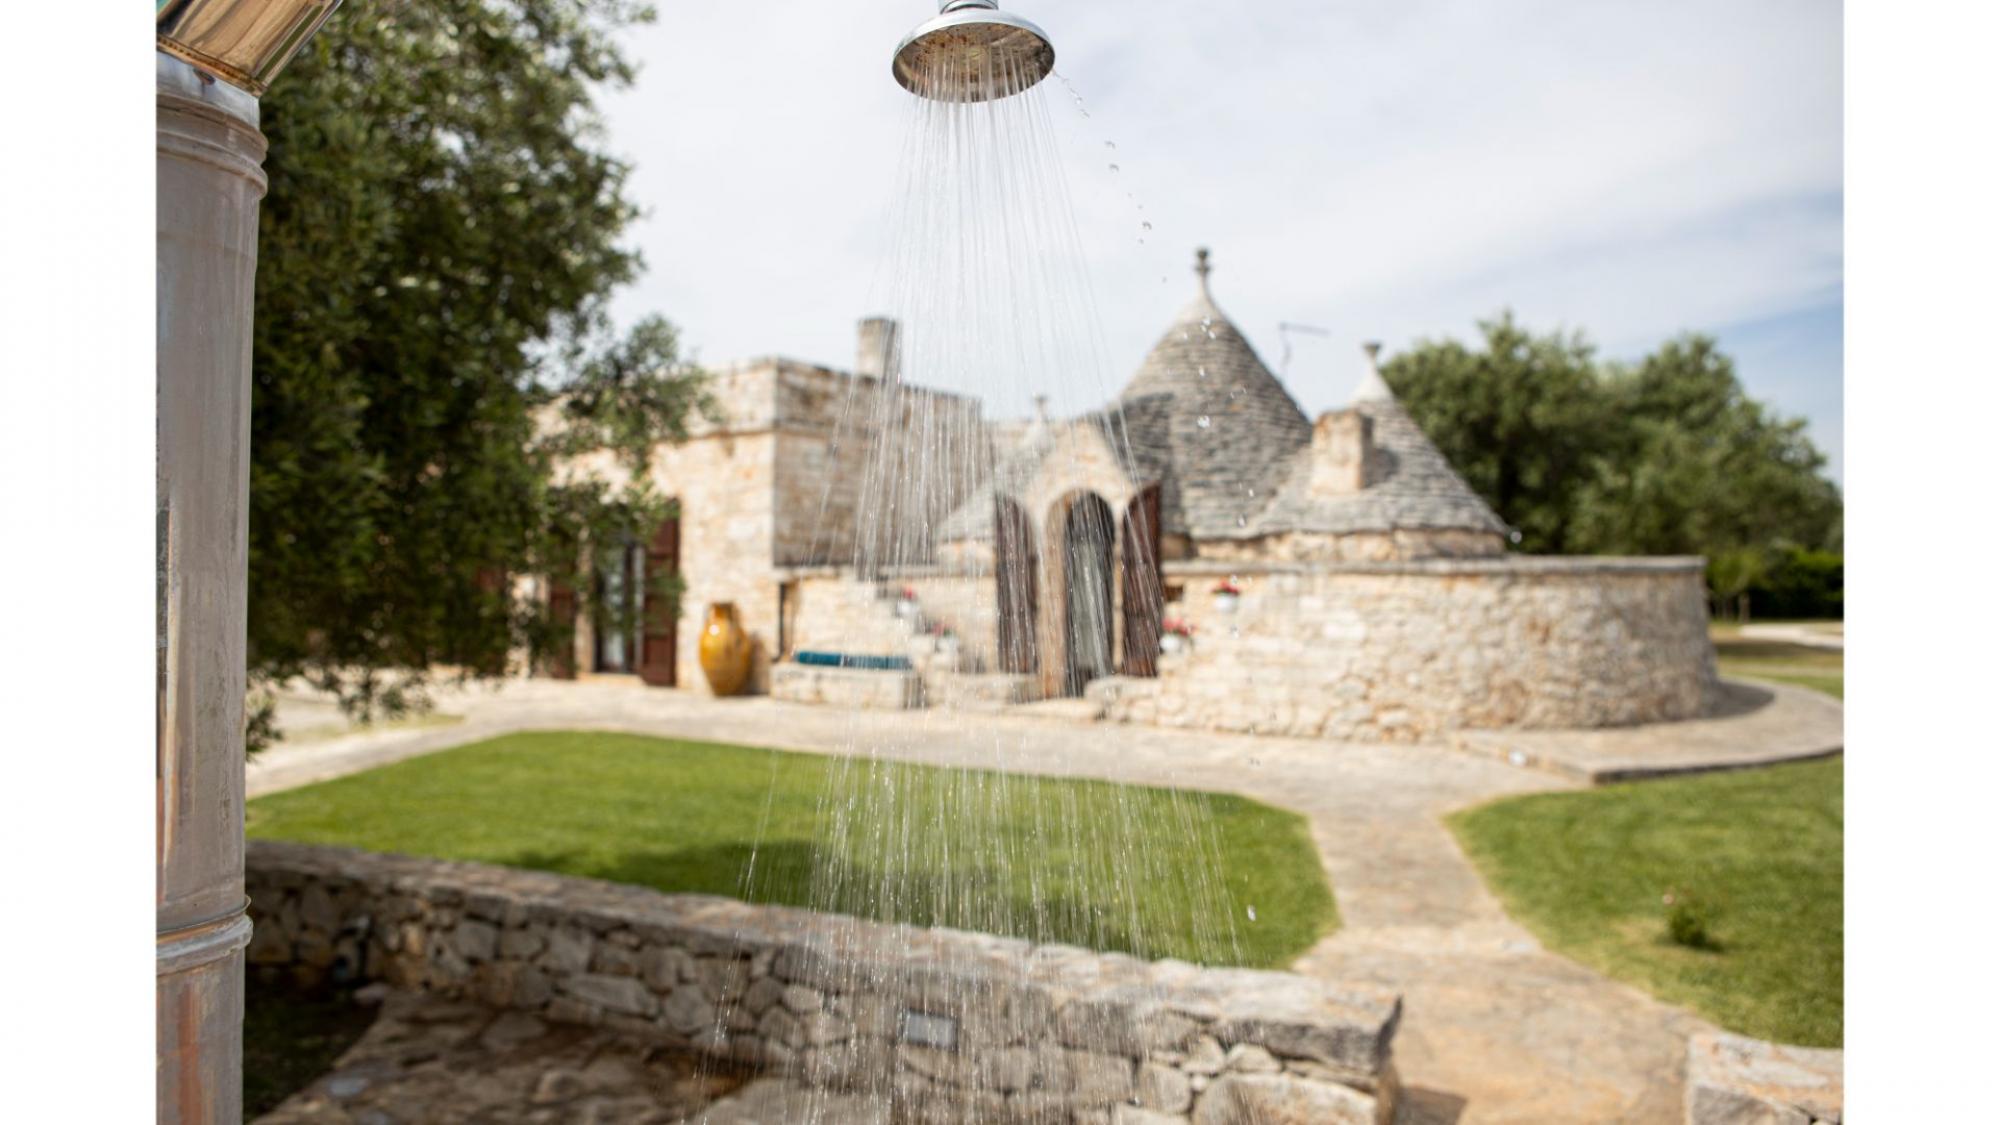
{"x": 838, "y": 612}
{"x": 937, "y": 1025}
{"x": 1385, "y": 546}
{"x": 1414, "y": 650}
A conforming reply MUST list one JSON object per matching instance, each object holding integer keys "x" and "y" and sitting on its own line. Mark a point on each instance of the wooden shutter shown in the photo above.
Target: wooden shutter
{"x": 659, "y": 637}
{"x": 1014, "y": 572}
{"x": 562, "y": 610}
{"x": 1140, "y": 575}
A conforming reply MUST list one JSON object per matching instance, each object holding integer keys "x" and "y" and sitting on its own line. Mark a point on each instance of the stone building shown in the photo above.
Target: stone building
{"x": 1198, "y": 552}
{"x": 770, "y": 484}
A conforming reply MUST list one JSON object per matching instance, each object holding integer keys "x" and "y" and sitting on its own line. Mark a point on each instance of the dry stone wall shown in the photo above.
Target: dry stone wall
{"x": 936, "y": 1025}
{"x": 1414, "y": 650}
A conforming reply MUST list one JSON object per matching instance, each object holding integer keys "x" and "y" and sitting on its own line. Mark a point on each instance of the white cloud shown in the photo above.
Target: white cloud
{"x": 1385, "y": 170}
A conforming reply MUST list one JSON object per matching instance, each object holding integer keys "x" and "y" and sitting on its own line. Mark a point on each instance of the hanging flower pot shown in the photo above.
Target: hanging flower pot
{"x": 906, "y": 603}
{"x": 1175, "y": 636}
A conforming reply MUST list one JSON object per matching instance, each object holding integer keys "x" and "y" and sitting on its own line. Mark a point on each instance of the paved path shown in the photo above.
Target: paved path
{"x": 1496, "y": 1029}
{"x": 1757, "y": 725}
{"x": 1825, "y": 635}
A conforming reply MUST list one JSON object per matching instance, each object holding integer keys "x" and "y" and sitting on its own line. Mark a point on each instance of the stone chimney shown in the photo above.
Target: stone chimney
{"x": 1342, "y": 447}
{"x": 878, "y": 354}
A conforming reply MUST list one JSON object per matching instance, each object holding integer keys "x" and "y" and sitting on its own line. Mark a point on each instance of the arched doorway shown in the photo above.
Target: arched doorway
{"x": 1016, "y": 577}
{"x": 1088, "y": 535}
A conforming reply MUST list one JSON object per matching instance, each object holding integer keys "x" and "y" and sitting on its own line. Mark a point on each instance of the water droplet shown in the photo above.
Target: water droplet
{"x": 1251, "y": 911}
{"x": 1202, "y": 421}
{"x": 1201, "y": 372}
{"x": 1111, "y": 146}
{"x": 1235, "y": 631}
{"x": 1114, "y": 167}
{"x": 1205, "y": 322}
{"x": 1242, "y": 521}
{"x": 1253, "y": 493}
{"x": 1146, "y": 225}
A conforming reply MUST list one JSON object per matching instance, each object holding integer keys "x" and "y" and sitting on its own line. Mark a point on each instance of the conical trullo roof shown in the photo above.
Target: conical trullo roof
{"x": 1416, "y": 489}
{"x": 1231, "y": 427}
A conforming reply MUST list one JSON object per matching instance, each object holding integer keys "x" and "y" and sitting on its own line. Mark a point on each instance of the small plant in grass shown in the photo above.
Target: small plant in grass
{"x": 1690, "y": 920}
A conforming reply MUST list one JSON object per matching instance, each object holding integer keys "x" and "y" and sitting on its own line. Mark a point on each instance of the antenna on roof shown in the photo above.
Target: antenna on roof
{"x": 1284, "y": 334}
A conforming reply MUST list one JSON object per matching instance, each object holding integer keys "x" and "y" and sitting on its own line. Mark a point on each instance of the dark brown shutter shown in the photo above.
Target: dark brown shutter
{"x": 1015, "y": 574}
{"x": 658, "y": 643}
{"x": 562, "y": 610}
{"x": 1140, "y": 563}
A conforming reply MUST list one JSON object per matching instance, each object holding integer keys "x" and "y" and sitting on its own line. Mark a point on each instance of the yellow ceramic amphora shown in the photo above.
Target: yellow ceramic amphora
{"x": 725, "y": 650}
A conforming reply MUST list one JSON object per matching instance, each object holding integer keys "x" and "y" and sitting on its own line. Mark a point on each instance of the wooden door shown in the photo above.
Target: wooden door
{"x": 1140, "y": 575}
{"x": 659, "y": 640}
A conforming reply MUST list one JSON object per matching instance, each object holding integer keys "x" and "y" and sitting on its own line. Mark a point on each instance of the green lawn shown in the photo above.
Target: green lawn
{"x": 1157, "y": 872}
{"x": 1761, "y": 849}
{"x": 1816, "y": 668}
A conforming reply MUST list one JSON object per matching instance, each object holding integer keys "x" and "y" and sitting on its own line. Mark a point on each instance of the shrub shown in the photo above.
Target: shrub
{"x": 1690, "y": 923}
{"x": 1801, "y": 584}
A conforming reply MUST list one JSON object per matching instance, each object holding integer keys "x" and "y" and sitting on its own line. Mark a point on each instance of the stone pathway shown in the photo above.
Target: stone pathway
{"x": 427, "y": 1061}
{"x": 1757, "y": 725}
{"x": 1496, "y": 1029}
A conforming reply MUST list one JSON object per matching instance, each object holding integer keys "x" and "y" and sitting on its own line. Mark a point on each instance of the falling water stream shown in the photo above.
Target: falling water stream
{"x": 984, "y": 274}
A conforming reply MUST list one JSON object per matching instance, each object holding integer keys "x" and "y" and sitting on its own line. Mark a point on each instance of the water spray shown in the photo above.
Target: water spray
{"x": 973, "y": 52}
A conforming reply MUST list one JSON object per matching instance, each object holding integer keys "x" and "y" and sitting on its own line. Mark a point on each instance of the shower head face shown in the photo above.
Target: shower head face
{"x": 973, "y": 52}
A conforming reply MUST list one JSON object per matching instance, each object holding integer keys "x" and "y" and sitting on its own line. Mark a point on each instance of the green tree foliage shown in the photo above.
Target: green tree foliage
{"x": 1666, "y": 457}
{"x": 1522, "y": 418}
{"x": 437, "y": 247}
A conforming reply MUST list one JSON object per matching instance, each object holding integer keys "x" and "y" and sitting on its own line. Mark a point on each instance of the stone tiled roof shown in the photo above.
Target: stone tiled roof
{"x": 1134, "y": 429}
{"x": 1418, "y": 490}
{"x": 1233, "y": 451}
{"x": 1231, "y": 429}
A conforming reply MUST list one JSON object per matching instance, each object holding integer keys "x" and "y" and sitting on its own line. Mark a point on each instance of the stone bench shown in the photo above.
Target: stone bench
{"x": 882, "y": 689}
{"x": 931, "y": 1024}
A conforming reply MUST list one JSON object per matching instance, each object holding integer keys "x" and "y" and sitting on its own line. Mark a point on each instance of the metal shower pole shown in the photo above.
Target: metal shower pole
{"x": 215, "y": 58}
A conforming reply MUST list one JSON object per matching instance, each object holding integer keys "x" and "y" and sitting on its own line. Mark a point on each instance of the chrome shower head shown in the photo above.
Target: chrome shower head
{"x": 973, "y": 52}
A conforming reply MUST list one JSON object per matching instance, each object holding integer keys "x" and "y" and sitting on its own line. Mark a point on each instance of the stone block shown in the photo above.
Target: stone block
{"x": 568, "y": 951}
{"x": 688, "y": 1011}
{"x": 1272, "y": 1099}
{"x": 521, "y": 943}
{"x": 1734, "y": 1080}
{"x": 613, "y": 994}
{"x": 1096, "y": 1079}
{"x": 476, "y": 941}
{"x": 663, "y": 967}
{"x": 1164, "y": 1088}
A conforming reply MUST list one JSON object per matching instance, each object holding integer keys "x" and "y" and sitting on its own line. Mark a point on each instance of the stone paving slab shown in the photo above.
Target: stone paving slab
{"x": 1496, "y": 1030}
{"x": 1733, "y": 1080}
{"x": 1758, "y": 724}
{"x": 427, "y": 1061}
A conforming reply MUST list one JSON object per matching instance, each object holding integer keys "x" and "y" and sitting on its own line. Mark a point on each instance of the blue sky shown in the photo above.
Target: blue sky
{"x": 1380, "y": 170}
